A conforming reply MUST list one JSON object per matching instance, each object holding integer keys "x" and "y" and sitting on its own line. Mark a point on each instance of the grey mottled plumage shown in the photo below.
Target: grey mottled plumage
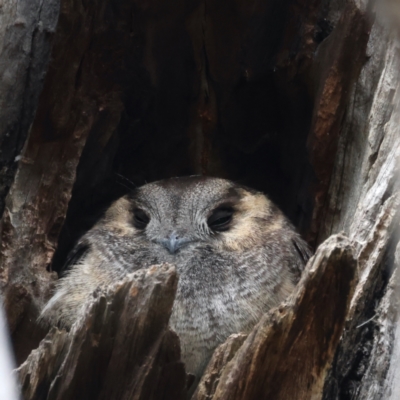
{"x": 236, "y": 254}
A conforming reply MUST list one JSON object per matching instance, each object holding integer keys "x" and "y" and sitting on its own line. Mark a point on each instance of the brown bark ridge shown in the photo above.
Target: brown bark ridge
{"x": 288, "y": 353}
{"x": 26, "y": 35}
{"x": 120, "y": 349}
{"x": 221, "y": 357}
{"x": 336, "y": 66}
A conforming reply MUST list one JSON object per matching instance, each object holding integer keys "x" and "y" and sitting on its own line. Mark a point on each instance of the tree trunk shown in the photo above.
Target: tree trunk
{"x": 299, "y": 99}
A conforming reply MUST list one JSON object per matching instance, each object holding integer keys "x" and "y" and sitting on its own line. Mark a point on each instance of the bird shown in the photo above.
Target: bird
{"x": 235, "y": 252}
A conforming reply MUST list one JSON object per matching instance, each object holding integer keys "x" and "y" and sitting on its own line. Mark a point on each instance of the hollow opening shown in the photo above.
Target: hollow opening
{"x": 181, "y": 88}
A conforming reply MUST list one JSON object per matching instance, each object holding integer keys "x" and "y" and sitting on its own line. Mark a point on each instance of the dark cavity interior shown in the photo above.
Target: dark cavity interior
{"x": 172, "y": 88}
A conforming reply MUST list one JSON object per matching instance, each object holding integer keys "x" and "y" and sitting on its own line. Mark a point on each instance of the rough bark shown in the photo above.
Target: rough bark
{"x": 120, "y": 349}
{"x": 381, "y": 379}
{"x": 363, "y": 201}
{"x": 221, "y": 357}
{"x": 26, "y": 32}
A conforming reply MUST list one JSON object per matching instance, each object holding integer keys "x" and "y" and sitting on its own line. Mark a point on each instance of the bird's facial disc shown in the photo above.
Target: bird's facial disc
{"x": 179, "y": 218}
{"x": 214, "y": 212}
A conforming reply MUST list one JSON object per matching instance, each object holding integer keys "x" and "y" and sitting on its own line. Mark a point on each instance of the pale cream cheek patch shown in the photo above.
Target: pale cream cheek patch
{"x": 245, "y": 232}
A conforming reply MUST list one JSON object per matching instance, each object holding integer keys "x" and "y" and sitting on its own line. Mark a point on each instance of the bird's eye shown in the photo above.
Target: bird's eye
{"x": 140, "y": 218}
{"x": 220, "y": 219}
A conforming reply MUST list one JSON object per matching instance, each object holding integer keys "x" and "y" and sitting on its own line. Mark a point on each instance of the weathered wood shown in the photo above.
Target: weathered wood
{"x": 221, "y": 357}
{"x": 37, "y": 203}
{"x": 337, "y": 65}
{"x": 382, "y": 377}
{"x": 288, "y": 353}
{"x": 355, "y": 350}
{"x": 363, "y": 201}
{"x": 26, "y": 34}
{"x": 39, "y": 369}
{"x": 120, "y": 349}
{"x": 235, "y": 88}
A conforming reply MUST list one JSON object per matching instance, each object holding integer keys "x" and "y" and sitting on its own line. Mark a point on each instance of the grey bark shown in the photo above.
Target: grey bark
{"x": 364, "y": 203}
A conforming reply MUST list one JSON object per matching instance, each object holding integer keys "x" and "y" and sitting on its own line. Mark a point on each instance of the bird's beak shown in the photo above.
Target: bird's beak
{"x": 173, "y": 242}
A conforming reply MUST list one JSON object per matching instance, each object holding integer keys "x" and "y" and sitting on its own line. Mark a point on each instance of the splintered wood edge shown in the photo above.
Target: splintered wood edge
{"x": 289, "y": 351}
{"x": 222, "y": 355}
{"x": 143, "y": 300}
{"x": 42, "y": 362}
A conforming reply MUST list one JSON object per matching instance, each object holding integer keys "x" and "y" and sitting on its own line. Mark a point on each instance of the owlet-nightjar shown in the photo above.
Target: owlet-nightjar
{"x": 235, "y": 252}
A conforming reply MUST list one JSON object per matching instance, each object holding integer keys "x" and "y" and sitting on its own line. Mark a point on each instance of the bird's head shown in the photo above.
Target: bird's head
{"x": 180, "y": 213}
